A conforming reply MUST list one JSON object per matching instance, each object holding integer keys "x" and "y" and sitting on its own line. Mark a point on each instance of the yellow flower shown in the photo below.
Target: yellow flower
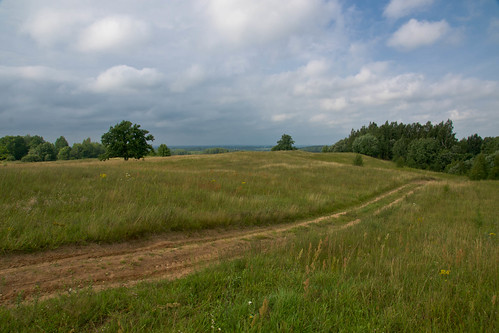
{"x": 492, "y": 234}
{"x": 444, "y": 272}
{"x": 243, "y": 183}
{"x": 103, "y": 175}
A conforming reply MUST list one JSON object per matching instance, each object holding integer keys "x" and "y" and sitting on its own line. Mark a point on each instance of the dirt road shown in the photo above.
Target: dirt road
{"x": 68, "y": 269}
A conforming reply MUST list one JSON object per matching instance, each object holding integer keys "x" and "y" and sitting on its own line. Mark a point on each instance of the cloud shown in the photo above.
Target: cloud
{"x": 126, "y": 79}
{"x": 458, "y": 115}
{"x": 113, "y": 33}
{"x": 51, "y": 26}
{"x": 33, "y": 73}
{"x": 191, "y": 77}
{"x": 282, "y": 117}
{"x": 416, "y": 34}
{"x": 334, "y": 104}
{"x": 241, "y": 22}
{"x": 400, "y": 8}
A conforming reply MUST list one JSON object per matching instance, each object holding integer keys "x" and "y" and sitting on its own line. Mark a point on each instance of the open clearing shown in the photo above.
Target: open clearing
{"x": 69, "y": 269}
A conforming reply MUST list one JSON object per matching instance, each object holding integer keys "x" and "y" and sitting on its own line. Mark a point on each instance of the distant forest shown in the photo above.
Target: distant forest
{"x": 35, "y": 149}
{"x": 428, "y": 146}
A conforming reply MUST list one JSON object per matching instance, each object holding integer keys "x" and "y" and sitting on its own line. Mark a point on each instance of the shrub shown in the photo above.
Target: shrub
{"x": 358, "y": 161}
{"x": 400, "y": 162}
{"x": 31, "y": 158}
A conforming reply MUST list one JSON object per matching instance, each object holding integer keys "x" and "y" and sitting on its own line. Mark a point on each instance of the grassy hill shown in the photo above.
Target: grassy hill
{"x": 428, "y": 263}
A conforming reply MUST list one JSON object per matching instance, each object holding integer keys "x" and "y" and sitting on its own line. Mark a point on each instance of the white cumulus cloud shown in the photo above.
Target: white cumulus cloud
{"x": 125, "y": 79}
{"x": 113, "y": 33}
{"x": 334, "y": 104}
{"x": 416, "y": 34}
{"x": 51, "y": 26}
{"x": 261, "y": 21}
{"x": 400, "y": 8}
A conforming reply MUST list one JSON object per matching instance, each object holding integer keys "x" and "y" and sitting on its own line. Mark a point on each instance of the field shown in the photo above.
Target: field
{"x": 319, "y": 245}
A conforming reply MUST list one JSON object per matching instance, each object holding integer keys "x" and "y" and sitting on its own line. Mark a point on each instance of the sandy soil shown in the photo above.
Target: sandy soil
{"x": 69, "y": 269}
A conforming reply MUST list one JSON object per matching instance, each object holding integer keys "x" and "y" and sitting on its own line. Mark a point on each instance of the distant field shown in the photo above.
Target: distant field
{"x": 45, "y": 205}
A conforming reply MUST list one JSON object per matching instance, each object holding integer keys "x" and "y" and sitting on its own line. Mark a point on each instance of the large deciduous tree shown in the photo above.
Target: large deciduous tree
{"x": 126, "y": 140}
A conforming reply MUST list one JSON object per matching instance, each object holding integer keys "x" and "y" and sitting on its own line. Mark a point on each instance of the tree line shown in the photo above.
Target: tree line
{"x": 35, "y": 149}
{"x": 123, "y": 140}
{"x": 429, "y": 146}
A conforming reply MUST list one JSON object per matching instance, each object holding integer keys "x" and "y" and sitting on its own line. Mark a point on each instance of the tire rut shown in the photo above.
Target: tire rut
{"x": 70, "y": 269}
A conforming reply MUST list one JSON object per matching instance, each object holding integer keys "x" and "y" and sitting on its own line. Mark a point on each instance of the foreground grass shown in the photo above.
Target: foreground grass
{"x": 46, "y": 205}
{"x": 429, "y": 263}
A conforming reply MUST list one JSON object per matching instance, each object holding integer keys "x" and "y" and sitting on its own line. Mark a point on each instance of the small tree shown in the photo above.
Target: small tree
{"x": 126, "y": 140}
{"x": 163, "y": 150}
{"x": 60, "y": 143}
{"x": 64, "y": 153}
{"x": 286, "y": 143}
{"x": 46, "y": 151}
{"x": 494, "y": 171}
{"x": 479, "y": 169}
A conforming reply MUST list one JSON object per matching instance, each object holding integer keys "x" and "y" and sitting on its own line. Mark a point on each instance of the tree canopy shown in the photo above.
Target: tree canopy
{"x": 126, "y": 140}
{"x": 285, "y": 143}
{"x": 163, "y": 150}
{"x": 429, "y": 146}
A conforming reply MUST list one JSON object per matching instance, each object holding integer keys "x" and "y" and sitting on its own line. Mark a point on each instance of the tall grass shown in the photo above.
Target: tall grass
{"x": 45, "y": 205}
{"x": 429, "y": 263}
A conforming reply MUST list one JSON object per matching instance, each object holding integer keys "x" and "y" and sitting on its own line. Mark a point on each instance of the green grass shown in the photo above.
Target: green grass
{"x": 388, "y": 273}
{"x": 46, "y": 205}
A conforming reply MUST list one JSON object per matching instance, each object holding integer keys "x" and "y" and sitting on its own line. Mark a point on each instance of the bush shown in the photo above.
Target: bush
{"x": 31, "y": 158}
{"x": 358, "y": 161}
{"x": 400, "y": 162}
{"x": 459, "y": 167}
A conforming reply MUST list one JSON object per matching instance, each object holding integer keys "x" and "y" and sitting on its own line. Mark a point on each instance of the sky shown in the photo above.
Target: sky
{"x": 241, "y": 72}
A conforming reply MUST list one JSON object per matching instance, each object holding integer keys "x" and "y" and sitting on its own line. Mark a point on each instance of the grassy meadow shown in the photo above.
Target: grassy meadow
{"x": 427, "y": 264}
{"x": 46, "y": 205}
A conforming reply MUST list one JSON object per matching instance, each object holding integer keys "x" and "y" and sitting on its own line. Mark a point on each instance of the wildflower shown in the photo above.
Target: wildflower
{"x": 243, "y": 183}
{"x": 250, "y": 302}
{"x": 444, "y": 272}
{"x": 492, "y": 234}
{"x": 103, "y": 175}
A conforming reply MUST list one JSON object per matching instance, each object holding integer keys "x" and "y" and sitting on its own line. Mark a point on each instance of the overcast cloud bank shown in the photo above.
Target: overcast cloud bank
{"x": 244, "y": 72}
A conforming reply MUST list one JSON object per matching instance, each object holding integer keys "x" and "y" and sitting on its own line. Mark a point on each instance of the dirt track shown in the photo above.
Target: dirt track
{"x": 68, "y": 269}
